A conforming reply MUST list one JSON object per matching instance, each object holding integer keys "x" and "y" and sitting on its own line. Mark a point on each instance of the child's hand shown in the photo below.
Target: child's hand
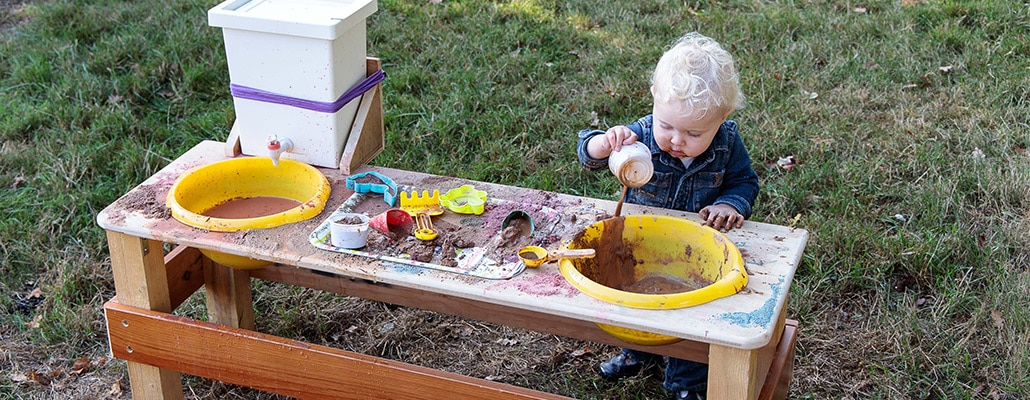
{"x": 722, "y": 217}
{"x": 601, "y": 146}
{"x": 618, "y": 136}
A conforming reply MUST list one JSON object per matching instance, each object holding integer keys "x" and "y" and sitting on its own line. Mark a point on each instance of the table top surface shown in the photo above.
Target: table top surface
{"x": 745, "y": 320}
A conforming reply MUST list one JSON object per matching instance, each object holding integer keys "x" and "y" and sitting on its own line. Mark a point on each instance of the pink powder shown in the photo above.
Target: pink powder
{"x": 541, "y": 284}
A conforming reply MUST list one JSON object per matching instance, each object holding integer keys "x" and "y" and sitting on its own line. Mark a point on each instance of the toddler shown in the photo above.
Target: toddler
{"x": 700, "y": 165}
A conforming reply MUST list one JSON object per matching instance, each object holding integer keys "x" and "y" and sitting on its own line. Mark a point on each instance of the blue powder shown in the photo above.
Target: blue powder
{"x": 403, "y": 268}
{"x": 759, "y": 317}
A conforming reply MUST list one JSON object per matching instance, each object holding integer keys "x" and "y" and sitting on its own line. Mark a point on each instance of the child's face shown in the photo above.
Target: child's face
{"x": 683, "y": 132}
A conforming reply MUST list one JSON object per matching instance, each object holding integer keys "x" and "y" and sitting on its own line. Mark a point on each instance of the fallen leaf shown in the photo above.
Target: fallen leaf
{"x": 116, "y": 389}
{"x": 506, "y": 341}
{"x": 34, "y": 324}
{"x": 465, "y": 330}
{"x": 788, "y": 163}
{"x": 18, "y": 181}
{"x": 36, "y": 293}
{"x": 19, "y": 377}
{"x": 810, "y": 95}
{"x": 794, "y": 223}
{"x": 579, "y": 353}
{"x": 997, "y": 319}
{"x": 945, "y": 69}
{"x": 42, "y": 379}
{"x": 81, "y": 365}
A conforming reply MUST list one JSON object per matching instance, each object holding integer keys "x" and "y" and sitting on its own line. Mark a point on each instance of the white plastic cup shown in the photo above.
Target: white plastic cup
{"x": 632, "y": 164}
{"x": 347, "y": 235}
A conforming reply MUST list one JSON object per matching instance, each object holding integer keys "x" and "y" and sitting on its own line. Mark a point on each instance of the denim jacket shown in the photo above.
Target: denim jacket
{"x": 722, "y": 174}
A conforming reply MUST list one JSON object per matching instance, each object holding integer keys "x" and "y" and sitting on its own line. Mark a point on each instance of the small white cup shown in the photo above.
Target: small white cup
{"x": 346, "y": 234}
{"x": 632, "y": 164}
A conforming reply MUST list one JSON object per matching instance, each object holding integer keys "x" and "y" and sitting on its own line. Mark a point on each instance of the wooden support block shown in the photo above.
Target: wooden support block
{"x": 366, "y": 139}
{"x": 185, "y": 270}
{"x": 283, "y": 366}
{"x": 229, "y": 299}
{"x": 233, "y": 147}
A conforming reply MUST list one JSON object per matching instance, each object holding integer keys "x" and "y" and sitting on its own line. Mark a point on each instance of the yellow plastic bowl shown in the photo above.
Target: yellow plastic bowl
{"x": 638, "y": 337}
{"x": 202, "y": 188}
{"x": 654, "y": 262}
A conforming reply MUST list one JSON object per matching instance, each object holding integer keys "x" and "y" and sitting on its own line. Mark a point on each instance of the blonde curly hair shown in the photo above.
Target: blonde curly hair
{"x": 697, "y": 72}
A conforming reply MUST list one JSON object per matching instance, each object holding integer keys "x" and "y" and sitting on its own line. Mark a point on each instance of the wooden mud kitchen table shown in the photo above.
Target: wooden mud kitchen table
{"x": 745, "y": 338}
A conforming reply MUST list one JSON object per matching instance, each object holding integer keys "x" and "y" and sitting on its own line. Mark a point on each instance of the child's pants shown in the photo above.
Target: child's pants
{"x": 679, "y": 374}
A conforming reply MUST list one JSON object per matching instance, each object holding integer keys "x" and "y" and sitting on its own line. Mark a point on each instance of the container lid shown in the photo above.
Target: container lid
{"x": 319, "y": 19}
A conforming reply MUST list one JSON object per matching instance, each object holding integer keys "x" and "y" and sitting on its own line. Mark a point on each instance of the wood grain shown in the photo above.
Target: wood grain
{"x": 284, "y": 366}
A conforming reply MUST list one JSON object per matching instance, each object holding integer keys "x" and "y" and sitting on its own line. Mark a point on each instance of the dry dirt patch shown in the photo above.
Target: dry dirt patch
{"x": 10, "y": 14}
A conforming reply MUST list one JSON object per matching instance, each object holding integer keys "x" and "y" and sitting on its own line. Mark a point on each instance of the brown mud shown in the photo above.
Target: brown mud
{"x": 615, "y": 266}
{"x": 250, "y": 207}
{"x": 461, "y": 231}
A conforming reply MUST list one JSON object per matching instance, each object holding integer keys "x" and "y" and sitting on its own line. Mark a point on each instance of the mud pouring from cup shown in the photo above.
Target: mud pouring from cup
{"x": 632, "y": 165}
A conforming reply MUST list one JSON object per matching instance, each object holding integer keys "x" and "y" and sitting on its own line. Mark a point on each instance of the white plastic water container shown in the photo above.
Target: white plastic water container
{"x": 309, "y": 50}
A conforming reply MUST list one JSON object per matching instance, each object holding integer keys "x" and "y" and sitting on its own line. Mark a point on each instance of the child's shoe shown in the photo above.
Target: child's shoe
{"x": 620, "y": 366}
{"x": 688, "y": 395}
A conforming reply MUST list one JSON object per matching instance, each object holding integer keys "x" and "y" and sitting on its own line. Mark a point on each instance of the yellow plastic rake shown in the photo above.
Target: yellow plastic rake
{"x": 421, "y": 209}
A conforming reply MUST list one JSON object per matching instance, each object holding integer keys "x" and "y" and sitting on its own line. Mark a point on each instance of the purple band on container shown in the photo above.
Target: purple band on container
{"x": 249, "y": 93}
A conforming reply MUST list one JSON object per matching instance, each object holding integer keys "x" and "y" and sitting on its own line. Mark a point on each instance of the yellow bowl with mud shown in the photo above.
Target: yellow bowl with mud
{"x": 247, "y": 193}
{"x": 654, "y": 262}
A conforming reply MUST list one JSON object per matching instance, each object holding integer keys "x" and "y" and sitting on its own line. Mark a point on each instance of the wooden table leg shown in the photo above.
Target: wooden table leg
{"x": 229, "y": 300}
{"x": 140, "y": 281}
{"x": 735, "y": 374}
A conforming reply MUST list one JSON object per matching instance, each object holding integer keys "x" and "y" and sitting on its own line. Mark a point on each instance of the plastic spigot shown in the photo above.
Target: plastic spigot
{"x": 277, "y": 146}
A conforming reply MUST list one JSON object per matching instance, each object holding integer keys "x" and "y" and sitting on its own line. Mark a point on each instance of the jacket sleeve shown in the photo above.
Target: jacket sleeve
{"x": 589, "y": 163}
{"x": 740, "y": 185}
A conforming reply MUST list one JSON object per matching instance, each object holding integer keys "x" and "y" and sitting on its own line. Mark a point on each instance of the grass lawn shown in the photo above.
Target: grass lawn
{"x": 909, "y": 119}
